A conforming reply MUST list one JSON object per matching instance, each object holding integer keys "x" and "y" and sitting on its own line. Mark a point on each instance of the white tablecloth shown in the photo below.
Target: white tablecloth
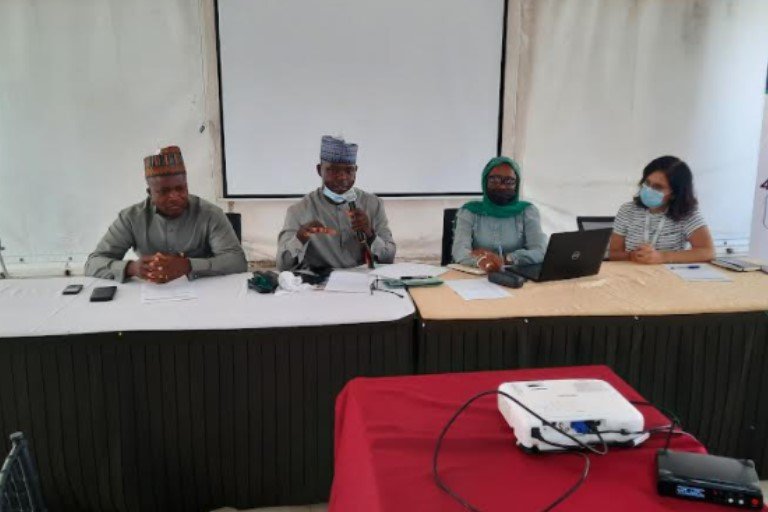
{"x": 36, "y": 307}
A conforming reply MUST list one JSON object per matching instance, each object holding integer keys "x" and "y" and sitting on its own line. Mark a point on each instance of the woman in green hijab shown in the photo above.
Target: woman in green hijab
{"x": 500, "y": 229}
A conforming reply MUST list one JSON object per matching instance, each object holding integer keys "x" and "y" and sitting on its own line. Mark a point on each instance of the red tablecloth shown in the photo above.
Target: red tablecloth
{"x": 386, "y": 430}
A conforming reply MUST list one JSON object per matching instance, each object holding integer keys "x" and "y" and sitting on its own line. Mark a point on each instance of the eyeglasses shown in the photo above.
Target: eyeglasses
{"x": 502, "y": 180}
{"x": 375, "y": 287}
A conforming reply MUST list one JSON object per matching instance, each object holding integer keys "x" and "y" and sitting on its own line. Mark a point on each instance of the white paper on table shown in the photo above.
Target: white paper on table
{"x": 398, "y": 270}
{"x": 478, "y": 289}
{"x": 698, "y": 272}
{"x": 349, "y": 282}
{"x": 176, "y": 290}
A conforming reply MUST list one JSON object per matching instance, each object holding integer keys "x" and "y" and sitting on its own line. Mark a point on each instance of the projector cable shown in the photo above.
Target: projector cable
{"x": 466, "y": 504}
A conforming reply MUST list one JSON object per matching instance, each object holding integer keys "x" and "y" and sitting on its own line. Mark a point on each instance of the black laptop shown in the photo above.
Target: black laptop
{"x": 569, "y": 255}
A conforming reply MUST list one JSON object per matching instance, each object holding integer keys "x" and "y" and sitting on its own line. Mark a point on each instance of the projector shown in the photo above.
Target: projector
{"x": 576, "y": 406}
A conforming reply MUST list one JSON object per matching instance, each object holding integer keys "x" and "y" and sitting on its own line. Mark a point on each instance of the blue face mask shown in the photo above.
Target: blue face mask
{"x": 650, "y": 197}
{"x": 347, "y": 196}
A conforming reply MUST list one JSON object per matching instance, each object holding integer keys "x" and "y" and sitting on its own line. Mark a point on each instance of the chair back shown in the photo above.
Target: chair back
{"x": 236, "y": 220}
{"x": 449, "y": 222}
{"x": 19, "y": 483}
{"x": 590, "y": 223}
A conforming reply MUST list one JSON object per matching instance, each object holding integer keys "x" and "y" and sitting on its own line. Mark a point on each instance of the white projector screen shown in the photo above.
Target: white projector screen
{"x": 414, "y": 83}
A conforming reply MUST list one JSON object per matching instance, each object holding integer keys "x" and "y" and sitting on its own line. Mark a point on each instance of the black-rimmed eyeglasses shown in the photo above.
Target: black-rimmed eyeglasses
{"x": 502, "y": 180}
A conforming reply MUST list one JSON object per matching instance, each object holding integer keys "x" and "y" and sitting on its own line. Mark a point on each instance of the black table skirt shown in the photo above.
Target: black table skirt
{"x": 711, "y": 370}
{"x": 189, "y": 420}
{"x": 199, "y": 420}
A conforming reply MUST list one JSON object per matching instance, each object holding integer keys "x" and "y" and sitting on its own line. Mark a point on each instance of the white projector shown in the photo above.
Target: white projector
{"x": 576, "y": 406}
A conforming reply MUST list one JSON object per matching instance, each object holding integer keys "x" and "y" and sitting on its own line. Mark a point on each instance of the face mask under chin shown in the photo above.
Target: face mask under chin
{"x": 347, "y": 196}
{"x": 501, "y": 198}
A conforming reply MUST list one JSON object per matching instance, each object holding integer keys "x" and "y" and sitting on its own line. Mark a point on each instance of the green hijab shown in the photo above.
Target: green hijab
{"x": 488, "y": 207}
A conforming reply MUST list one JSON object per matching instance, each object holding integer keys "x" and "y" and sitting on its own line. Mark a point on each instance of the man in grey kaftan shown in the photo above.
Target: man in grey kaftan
{"x": 172, "y": 232}
{"x": 334, "y": 225}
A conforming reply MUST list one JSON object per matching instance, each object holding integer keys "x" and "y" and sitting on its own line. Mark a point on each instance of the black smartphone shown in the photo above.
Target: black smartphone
{"x": 103, "y": 293}
{"x": 72, "y": 289}
{"x": 506, "y": 278}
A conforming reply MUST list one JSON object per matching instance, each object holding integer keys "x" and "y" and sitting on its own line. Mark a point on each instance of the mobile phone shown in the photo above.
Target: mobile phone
{"x": 103, "y": 293}
{"x": 72, "y": 289}
{"x": 505, "y": 278}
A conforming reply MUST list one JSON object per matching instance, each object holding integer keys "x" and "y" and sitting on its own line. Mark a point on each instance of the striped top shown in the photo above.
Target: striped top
{"x": 631, "y": 222}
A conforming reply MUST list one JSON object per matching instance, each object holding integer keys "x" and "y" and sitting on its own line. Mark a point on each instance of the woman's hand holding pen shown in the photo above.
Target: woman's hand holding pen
{"x": 488, "y": 260}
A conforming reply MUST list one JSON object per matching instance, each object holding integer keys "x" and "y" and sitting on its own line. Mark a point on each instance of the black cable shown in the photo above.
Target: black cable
{"x": 625, "y": 432}
{"x": 463, "y": 502}
{"x": 574, "y": 487}
{"x": 664, "y": 410}
{"x": 669, "y": 414}
{"x": 594, "y": 430}
{"x": 680, "y": 432}
{"x": 538, "y": 435}
{"x": 669, "y": 434}
{"x": 650, "y": 431}
{"x": 435, "y": 475}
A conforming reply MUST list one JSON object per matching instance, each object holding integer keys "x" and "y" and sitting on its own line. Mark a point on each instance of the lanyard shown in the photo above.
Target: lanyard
{"x": 646, "y": 231}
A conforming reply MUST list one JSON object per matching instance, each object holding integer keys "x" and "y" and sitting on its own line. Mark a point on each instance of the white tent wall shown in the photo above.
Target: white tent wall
{"x": 608, "y": 85}
{"x": 759, "y": 239}
{"x": 88, "y": 88}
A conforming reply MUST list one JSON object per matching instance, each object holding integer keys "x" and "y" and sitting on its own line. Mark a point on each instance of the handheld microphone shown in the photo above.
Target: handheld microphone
{"x": 367, "y": 256}
{"x": 360, "y": 235}
{"x": 351, "y": 196}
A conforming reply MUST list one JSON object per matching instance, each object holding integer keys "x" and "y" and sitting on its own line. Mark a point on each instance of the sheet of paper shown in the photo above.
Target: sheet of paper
{"x": 467, "y": 269}
{"x": 698, "y": 272}
{"x": 176, "y": 290}
{"x": 349, "y": 282}
{"x": 478, "y": 289}
{"x": 405, "y": 269}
